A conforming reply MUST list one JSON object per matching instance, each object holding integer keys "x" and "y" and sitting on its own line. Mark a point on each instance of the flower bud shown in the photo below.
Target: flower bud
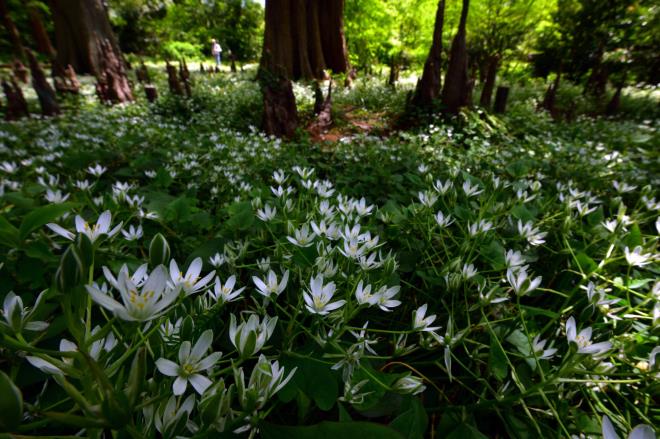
{"x": 159, "y": 251}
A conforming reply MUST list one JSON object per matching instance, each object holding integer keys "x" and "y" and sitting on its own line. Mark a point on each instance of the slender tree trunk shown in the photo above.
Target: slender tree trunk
{"x": 615, "y": 103}
{"x": 47, "y": 99}
{"x": 12, "y": 31}
{"x": 455, "y": 92}
{"x": 306, "y": 37}
{"x": 81, "y": 28}
{"x": 41, "y": 38}
{"x": 429, "y": 85}
{"x": 500, "y": 99}
{"x": 489, "y": 84}
{"x": 550, "y": 98}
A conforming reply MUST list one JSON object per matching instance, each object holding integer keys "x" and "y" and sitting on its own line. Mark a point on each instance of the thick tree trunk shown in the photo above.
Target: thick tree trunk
{"x": 280, "y": 117}
{"x": 41, "y": 38}
{"x": 81, "y": 28}
{"x": 16, "y": 104}
{"x": 306, "y": 37}
{"x": 489, "y": 83}
{"x": 429, "y": 85}
{"x": 456, "y": 90}
{"x": 47, "y": 99}
{"x": 112, "y": 84}
{"x": 12, "y": 31}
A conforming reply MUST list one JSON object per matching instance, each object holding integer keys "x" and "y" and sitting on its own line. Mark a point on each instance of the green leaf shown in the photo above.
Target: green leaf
{"x": 42, "y": 216}
{"x": 315, "y": 379}
{"x": 497, "y": 360}
{"x": 465, "y": 431}
{"x": 241, "y": 216}
{"x": 634, "y": 237}
{"x": 413, "y": 422}
{"x": 521, "y": 212}
{"x": 330, "y": 430}
{"x": 494, "y": 253}
{"x": 8, "y": 233}
{"x": 11, "y": 404}
{"x": 585, "y": 263}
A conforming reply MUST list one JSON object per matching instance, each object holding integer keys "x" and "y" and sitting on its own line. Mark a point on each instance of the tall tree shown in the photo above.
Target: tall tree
{"x": 305, "y": 37}
{"x": 81, "y": 27}
{"x": 428, "y": 86}
{"x": 12, "y": 31}
{"x": 39, "y": 33}
{"x": 456, "y": 91}
{"x": 280, "y": 116}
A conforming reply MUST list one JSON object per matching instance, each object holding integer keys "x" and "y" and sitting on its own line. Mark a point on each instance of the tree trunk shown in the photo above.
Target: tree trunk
{"x": 306, "y": 37}
{"x": 489, "y": 84}
{"x": 151, "y": 92}
{"x": 614, "y": 104}
{"x": 394, "y": 71}
{"x": 81, "y": 28}
{"x": 41, "y": 38}
{"x": 280, "y": 117}
{"x": 16, "y": 104}
{"x": 500, "y": 99}
{"x": 548, "y": 103}
{"x": 47, "y": 99}
{"x": 173, "y": 80}
{"x": 455, "y": 92}
{"x": 112, "y": 84}
{"x": 12, "y": 32}
{"x": 429, "y": 85}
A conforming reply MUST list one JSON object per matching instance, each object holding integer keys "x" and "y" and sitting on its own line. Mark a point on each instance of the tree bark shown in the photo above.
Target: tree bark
{"x": 455, "y": 92}
{"x": 16, "y": 104}
{"x": 306, "y": 37}
{"x": 615, "y": 103}
{"x": 46, "y": 94}
{"x": 429, "y": 85}
{"x": 112, "y": 84}
{"x": 489, "y": 83}
{"x": 280, "y": 116}
{"x": 41, "y": 38}
{"x": 81, "y": 28}
{"x": 500, "y": 99}
{"x": 12, "y": 31}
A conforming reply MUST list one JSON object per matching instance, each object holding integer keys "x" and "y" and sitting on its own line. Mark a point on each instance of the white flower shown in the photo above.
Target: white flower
{"x": 132, "y": 234}
{"x": 533, "y": 235}
{"x": 520, "y": 282}
{"x": 538, "y": 348}
{"x": 623, "y": 188}
{"x": 642, "y": 431}
{"x": 443, "y": 187}
{"x": 303, "y": 237}
{"x": 318, "y": 297}
{"x": 610, "y": 225}
{"x": 636, "y": 257}
{"x": 168, "y": 415}
{"x": 409, "y": 385}
{"x": 191, "y": 283}
{"x": 383, "y": 298}
{"x": 190, "y": 364}
{"x": 352, "y": 249}
{"x": 583, "y": 339}
{"x": 249, "y": 337}
{"x": 513, "y": 259}
{"x": 420, "y": 322}
{"x": 267, "y": 213}
{"x": 217, "y": 260}
{"x": 271, "y": 285}
{"x": 18, "y": 317}
{"x": 428, "y": 199}
{"x": 361, "y": 207}
{"x": 55, "y": 196}
{"x": 225, "y": 293}
{"x": 97, "y": 170}
{"x": 44, "y": 366}
{"x": 469, "y": 271}
{"x": 363, "y": 294}
{"x": 102, "y": 227}
{"x": 153, "y": 299}
{"x": 470, "y": 190}
{"x": 442, "y": 220}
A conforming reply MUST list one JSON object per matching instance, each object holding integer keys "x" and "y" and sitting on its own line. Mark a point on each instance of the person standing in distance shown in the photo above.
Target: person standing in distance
{"x": 216, "y": 51}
